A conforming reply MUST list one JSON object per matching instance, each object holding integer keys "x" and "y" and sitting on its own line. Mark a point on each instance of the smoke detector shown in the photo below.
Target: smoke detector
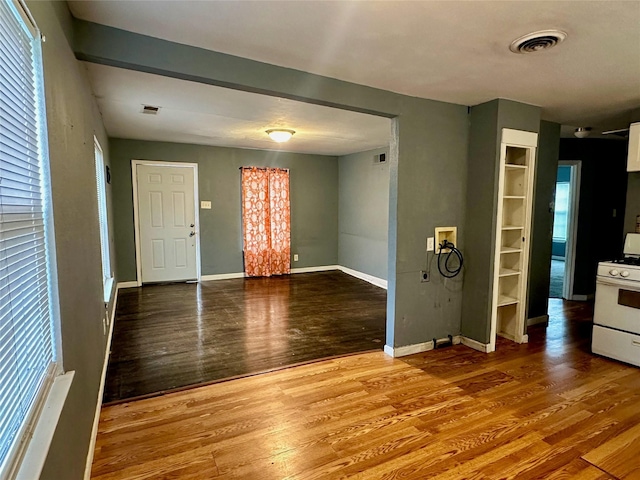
{"x": 536, "y": 41}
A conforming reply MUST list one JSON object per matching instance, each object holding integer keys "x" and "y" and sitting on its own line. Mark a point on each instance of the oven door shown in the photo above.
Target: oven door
{"x": 617, "y": 304}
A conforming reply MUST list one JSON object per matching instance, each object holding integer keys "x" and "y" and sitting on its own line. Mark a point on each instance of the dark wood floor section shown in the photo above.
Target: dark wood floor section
{"x": 544, "y": 410}
{"x": 171, "y": 336}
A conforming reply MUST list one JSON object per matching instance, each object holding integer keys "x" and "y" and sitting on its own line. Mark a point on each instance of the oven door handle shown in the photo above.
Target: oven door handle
{"x": 619, "y": 282}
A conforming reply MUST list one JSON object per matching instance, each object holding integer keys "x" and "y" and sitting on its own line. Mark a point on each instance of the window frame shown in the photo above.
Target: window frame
{"x": 103, "y": 221}
{"x": 31, "y": 440}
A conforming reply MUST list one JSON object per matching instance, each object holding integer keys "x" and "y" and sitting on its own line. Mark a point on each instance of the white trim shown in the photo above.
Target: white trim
{"x": 537, "y": 320}
{"x": 415, "y": 348}
{"x": 221, "y": 276}
{"x": 96, "y": 416}
{"x": 126, "y": 285}
{"x": 570, "y": 248}
{"x": 481, "y": 347}
{"x": 38, "y": 448}
{"x": 322, "y": 268}
{"x": 519, "y": 138}
{"x": 378, "y": 282}
{"x": 136, "y": 215}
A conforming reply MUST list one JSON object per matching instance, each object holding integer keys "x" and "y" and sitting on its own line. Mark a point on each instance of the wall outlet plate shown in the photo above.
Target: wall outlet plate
{"x": 424, "y": 276}
{"x": 205, "y": 204}
{"x": 295, "y": 257}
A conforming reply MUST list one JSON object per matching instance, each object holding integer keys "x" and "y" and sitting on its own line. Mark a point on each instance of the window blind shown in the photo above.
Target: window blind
{"x": 102, "y": 219}
{"x": 27, "y": 341}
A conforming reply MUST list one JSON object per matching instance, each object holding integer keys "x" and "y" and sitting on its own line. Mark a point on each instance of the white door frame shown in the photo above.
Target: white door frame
{"x": 136, "y": 218}
{"x": 572, "y": 230}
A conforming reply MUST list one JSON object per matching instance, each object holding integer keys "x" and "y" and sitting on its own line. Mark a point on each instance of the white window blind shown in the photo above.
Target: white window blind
{"x": 107, "y": 278}
{"x": 27, "y": 340}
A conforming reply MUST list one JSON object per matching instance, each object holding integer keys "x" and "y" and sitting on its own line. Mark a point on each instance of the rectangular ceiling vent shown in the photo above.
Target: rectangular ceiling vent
{"x": 150, "y": 110}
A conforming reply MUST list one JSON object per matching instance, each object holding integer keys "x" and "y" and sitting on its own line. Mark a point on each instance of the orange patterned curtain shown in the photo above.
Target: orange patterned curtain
{"x": 266, "y": 221}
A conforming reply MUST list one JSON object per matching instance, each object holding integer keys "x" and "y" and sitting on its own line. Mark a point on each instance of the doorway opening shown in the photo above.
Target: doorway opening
{"x": 565, "y": 223}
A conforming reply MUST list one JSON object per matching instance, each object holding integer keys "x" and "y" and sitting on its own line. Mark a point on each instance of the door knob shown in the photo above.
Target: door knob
{"x": 192, "y": 225}
{"x": 192, "y": 233}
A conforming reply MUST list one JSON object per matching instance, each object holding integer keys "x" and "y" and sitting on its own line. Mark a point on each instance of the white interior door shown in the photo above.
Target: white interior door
{"x": 167, "y": 223}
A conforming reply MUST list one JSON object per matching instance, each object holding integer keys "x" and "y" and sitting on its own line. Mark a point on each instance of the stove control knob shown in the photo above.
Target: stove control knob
{"x": 613, "y": 272}
{"x": 624, "y": 274}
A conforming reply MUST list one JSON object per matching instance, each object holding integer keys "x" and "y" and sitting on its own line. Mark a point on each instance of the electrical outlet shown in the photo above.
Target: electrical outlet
{"x": 430, "y": 244}
{"x": 424, "y": 276}
{"x": 295, "y": 257}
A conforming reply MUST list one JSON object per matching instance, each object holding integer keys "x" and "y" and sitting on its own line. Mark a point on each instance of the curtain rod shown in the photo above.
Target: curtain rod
{"x": 263, "y": 168}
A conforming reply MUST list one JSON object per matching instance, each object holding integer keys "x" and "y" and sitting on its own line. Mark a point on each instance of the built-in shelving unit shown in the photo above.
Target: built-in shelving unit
{"x": 517, "y": 162}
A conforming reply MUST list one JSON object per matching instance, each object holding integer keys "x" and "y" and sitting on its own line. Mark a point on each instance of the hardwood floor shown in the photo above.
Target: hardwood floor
{"x": 170, "y": 336}
{"x": 548, "y": 409}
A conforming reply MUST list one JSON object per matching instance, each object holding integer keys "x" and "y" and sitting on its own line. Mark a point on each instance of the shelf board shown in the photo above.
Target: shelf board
{"x": 514, "y": 197}
{"x": 509, "y": 250}
{"x": 512, "y": 165}
{"x": 507, "y": 272}
{"x": 503, "y": 300}
{"x": 512, "y": 227}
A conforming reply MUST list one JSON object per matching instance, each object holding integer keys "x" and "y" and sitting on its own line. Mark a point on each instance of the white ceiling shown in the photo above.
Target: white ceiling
{"x": 204, "y": 114}
{"x": 454, "y": 51}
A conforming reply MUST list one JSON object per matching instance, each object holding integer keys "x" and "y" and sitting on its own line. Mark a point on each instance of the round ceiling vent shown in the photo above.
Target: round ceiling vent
{"x": 536, "y": 41}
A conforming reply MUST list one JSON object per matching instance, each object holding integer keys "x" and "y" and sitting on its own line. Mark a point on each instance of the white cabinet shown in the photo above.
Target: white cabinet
{"x": 513, "y": 227}
{"x": 633, "y": 160}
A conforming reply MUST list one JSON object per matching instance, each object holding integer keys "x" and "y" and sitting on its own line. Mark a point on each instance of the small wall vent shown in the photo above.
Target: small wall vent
{"x": 537, "y": 41}
{"x": 150, "y": 110}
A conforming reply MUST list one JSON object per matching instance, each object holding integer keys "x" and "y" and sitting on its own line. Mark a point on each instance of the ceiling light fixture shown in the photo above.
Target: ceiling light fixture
{"x": 536, "y": 41}
{"x": 582, "y": 132}
{"x": 280, "y": 135}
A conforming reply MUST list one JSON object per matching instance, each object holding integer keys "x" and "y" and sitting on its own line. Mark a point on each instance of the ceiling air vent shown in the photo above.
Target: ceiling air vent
{"x": 536, "y": 41}
{"x": 150, "y": 109}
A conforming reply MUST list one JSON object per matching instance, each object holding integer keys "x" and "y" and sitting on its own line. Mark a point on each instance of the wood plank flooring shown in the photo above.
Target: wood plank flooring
{"x": 170, "y": 336}
{"x": 548, "y": 409}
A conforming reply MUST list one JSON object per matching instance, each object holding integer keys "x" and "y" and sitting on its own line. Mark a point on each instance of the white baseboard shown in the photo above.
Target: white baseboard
{"x": 126, "y": 285}
{"x": 96, "y": 417}
{"x": 415, "y": 348}
{"x": 378, "y": 282}
{"x": 481, "y": 347}
{"x": 322, "y": 268}
{"x": 537, "y": 320}
{"x": 221, "y": 276}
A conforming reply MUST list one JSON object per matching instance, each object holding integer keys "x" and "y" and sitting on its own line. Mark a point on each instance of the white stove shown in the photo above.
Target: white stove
{"x": 616, "y": 317}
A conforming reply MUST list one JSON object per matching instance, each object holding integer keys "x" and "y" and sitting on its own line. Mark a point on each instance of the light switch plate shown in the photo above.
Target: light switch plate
{"x": 430, "y": 244}
{"x": 205, "y": 204}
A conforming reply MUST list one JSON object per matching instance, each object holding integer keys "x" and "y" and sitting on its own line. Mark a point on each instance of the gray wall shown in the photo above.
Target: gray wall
{"x": 73, "y": 119}
{"x": 427, "y": 164}
{"x": 542, "y": 221}
{"x": 314, "y": 202}
{"x": 363, "y": 213}
{"x": 487, "y": 122}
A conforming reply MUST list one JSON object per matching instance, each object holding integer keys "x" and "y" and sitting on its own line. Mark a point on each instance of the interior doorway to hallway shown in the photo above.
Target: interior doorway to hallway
{"x": 565, "y": 224}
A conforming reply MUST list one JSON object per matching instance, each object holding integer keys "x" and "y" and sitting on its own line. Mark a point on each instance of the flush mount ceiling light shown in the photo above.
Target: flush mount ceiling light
{"x": 582, "y": 132}
{"x": 536, "y": 41}
{"x": 280, "y": 135}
